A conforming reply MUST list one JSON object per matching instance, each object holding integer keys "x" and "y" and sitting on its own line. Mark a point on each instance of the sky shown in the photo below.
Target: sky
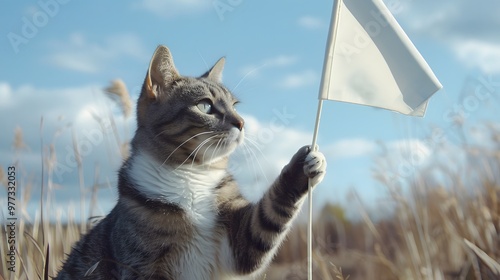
{"x": 56, "y": 56}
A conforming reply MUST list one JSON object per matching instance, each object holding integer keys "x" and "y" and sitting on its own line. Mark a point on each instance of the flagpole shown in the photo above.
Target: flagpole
{"x": 309, "y": 195}
{"x": 324, "y": 89}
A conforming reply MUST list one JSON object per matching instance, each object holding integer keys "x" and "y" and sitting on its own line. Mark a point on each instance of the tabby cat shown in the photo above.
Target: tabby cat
{"x": 180, "y": 214}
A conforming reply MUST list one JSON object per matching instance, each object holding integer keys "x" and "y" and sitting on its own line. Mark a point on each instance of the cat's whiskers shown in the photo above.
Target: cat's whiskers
{"x": 204, "y": 153}
{"x": 214, "y": 152}
{"x": 183, "y": 143}
{"x": 250, "y": 163}
{"x": 247, "y": 74}
{"x": 257, "y": 146}
{"x": 221, "y": 144}
{"x": 249, "y": 149}
{"x": 195, "y": 151}
{"x": 160, "y": 133}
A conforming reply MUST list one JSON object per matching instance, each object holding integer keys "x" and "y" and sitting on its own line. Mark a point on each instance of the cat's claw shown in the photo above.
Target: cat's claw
{"x": 315, "y": 167}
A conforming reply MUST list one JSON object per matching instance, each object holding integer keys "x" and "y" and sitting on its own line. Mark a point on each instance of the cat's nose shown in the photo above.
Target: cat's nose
{"x": 239, "y": 123}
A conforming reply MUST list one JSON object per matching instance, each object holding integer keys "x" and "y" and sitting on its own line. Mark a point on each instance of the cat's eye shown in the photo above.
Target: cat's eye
{"x": 205, "y": 106}
{"x": 234, "y": 105}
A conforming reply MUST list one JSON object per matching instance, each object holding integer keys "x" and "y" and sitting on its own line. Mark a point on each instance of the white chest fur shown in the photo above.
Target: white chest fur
{"x": 191, "y": 188}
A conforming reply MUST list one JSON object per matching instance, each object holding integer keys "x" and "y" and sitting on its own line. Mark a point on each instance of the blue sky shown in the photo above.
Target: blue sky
{"x": 56, "y": 56}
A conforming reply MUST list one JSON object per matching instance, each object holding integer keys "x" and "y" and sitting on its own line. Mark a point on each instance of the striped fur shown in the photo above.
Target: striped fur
{"x": 180, "y": 214}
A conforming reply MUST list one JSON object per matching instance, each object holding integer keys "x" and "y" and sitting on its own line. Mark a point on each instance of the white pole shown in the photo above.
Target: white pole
{"x": 324, "y": 89}
{"x": 310, "y": 198}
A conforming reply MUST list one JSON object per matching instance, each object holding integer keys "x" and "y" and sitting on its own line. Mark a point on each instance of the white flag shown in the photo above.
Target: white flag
{"x": 371, "y": 61}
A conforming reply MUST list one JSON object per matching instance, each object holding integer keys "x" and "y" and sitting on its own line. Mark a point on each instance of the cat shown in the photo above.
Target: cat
{"x": 180, "y": 214}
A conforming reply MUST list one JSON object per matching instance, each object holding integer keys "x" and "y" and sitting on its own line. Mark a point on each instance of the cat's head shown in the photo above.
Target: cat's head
{"x": 186, "y": 120}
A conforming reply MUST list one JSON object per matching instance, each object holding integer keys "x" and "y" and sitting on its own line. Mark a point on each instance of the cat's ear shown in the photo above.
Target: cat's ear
{"x": 161, "y": 72}
{"x": 215, "y": 73}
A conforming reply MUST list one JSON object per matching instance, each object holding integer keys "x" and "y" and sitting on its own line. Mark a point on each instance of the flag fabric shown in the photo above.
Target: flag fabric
{"x": 371, "y": 61}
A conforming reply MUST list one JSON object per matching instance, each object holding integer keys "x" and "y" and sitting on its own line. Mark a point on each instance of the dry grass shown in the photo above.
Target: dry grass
{"x": 447, "y": 227}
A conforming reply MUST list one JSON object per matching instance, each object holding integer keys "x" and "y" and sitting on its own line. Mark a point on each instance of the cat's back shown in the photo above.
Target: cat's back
{"x": 137, "y": 240}
{"x": 90, "y": 253}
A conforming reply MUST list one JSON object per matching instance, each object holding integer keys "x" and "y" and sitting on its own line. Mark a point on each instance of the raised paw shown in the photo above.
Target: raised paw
{"x": 315, "y": 167}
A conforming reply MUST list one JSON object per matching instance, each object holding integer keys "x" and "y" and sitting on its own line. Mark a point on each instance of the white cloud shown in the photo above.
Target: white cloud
{"x": 81, "y": 62}
{"x": 64, "y": 111}
{"x": 80, "y": 55}
{"x": 256, "y": 69}
{"x": 351, "y": 148}
{"x": 481, "y": 54}
{"x": 297, "y": 80}
{"x": 310, "y": 22}
{"x": 457, "y": 19}
{"x": 174, "y": 8}
{"x": 402, "y": 159}
{"x": 5, "y": 94}
{"x": 280, "y": 61}
{"x": 408, "y": 148}
{"x": 468, "y": 28}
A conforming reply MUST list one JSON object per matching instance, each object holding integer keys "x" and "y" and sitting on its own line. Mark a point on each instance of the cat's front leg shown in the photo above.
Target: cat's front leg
{"x": 257, "y": 230}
